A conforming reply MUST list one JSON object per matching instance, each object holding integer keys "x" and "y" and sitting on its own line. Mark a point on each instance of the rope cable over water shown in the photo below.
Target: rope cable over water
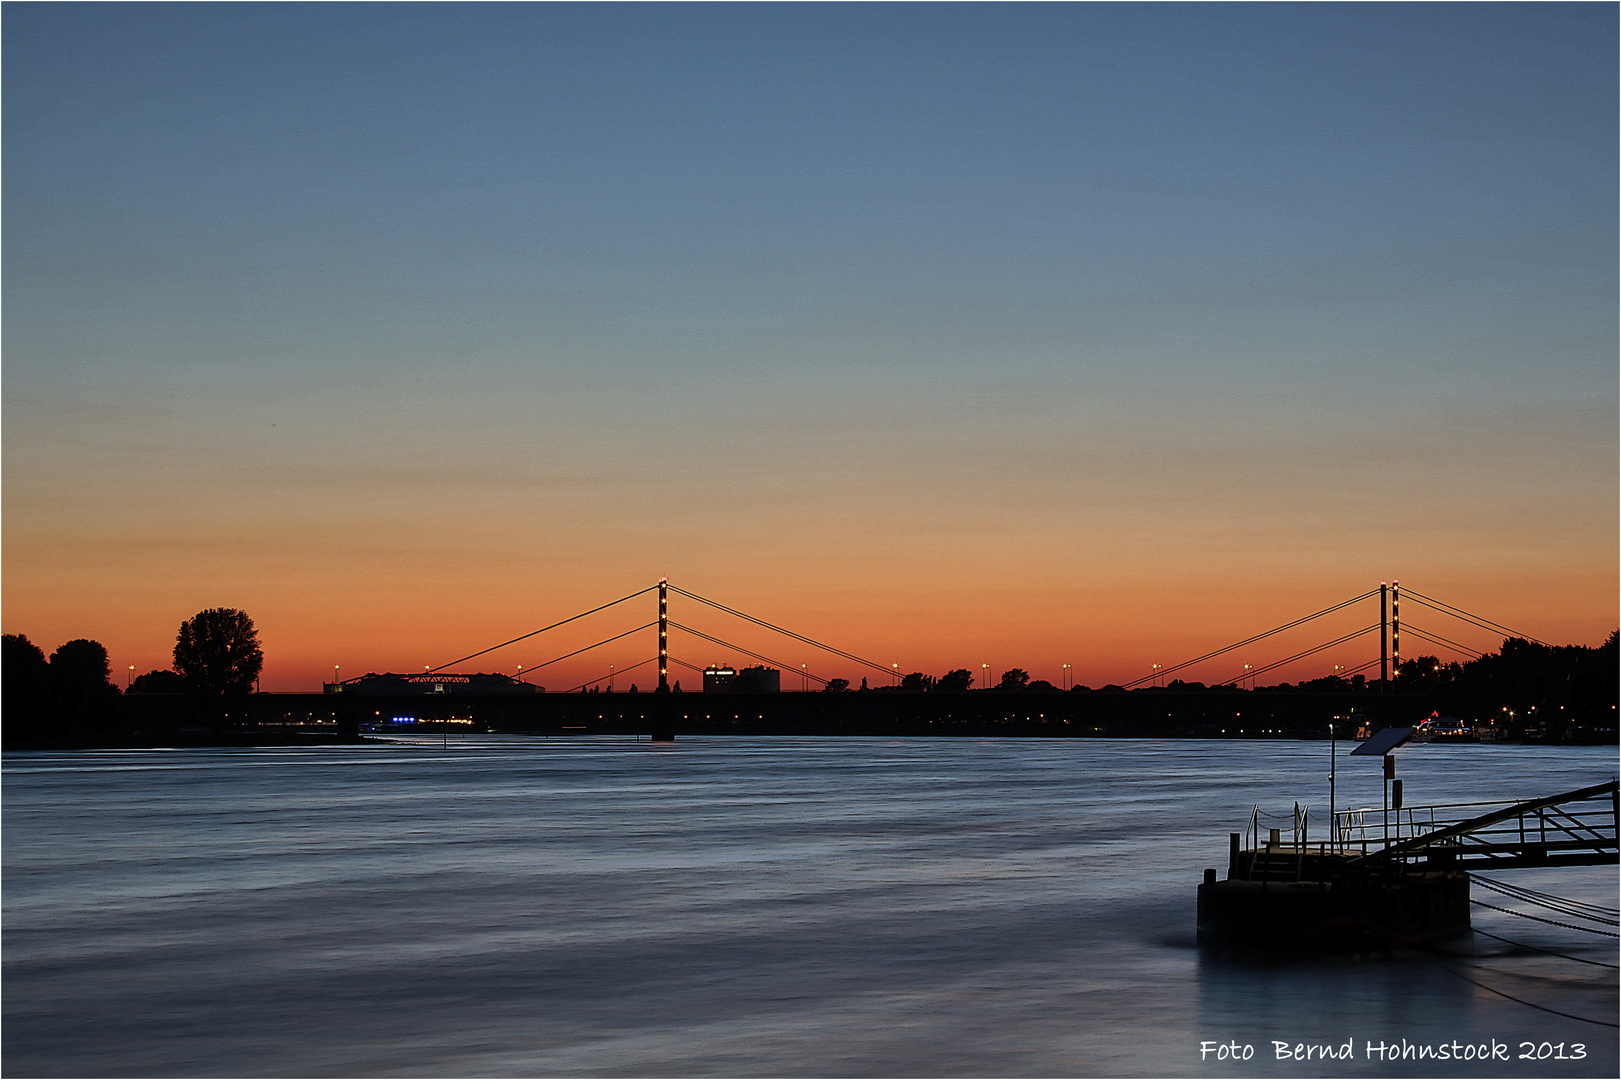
{"x": 1574, "y": 908}
{"x": 1550, "y": 952}
{"x": 1540, "y": 919}
{"x": 1516, "y": 1000}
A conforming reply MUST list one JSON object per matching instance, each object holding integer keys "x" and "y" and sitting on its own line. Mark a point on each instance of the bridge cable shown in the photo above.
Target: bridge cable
{"x": 1348, "y": 672}
{"x": 782, "y": 630}
{"x": 1289, "y": 660}
{"x": 588, "y": 648}
{"x": 532, "y": 633}
{"x": 1460, "y": 613}
{"x": 1437, "y": 639}
{"x": 1249, "y": 640}
{"x": 576, "y": 652}
{"x": 1468, "y": 621}
{"x": 617, "y": 671}
{"x": 1490, "y": 628}
{"x": 741, "y": 649}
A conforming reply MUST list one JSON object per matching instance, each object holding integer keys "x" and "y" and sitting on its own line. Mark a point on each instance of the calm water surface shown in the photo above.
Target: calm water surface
{"x": 770, "y": 906}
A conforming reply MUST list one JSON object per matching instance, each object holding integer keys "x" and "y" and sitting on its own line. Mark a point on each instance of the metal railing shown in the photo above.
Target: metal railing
{"x": 1300, "y": 824}
{"x": 1573, "y": 828}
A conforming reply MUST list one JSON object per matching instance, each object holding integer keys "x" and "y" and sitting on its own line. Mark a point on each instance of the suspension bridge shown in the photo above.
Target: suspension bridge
{"x": 453, "y": 692}
{"x": 1388, "y": 627}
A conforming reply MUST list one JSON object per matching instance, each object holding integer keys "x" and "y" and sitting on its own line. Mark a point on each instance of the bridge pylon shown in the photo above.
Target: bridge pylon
{"x": 664, "y": 636}
{"x": 1384, "y": 638}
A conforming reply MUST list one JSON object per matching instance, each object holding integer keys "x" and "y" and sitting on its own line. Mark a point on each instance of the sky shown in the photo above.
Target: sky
{"x": 954, "y": 336}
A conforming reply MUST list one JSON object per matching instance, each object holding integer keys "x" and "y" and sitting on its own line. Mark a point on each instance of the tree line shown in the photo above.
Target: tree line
{"x": 1525, "y": 680}
{"x": 70, "y": 699}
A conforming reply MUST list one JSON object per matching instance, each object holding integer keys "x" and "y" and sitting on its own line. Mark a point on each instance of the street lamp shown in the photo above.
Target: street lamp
{"x": 1248, "y": 676}
{"x": 335, "y": 668}
{"x": 804, "y": 678}
{"x": 130, "y": 676}
{"x": 1156, "y": 673}
{"x": 1067, "y": 679}
{"x": 985, "y": 683}
{"x": 897, "y": 666}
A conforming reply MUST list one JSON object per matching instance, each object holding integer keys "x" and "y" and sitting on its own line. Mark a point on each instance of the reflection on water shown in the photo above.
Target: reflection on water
{"x": 760, "y": 906}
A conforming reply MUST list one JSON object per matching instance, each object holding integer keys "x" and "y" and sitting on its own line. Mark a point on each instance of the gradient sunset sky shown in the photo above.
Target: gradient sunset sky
{"x": 952, "y": 335}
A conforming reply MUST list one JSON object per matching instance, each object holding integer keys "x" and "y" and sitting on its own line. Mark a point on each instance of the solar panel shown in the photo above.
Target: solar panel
{"x": 1384, "y": 741}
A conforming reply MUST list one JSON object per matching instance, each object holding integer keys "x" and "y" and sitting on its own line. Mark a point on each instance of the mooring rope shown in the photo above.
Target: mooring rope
{"x": 1544, "y": 900}
{"x": 1550, "y": 952}
{"x": 1511, "y": 997}
{"x": 1572, "y": 907}
{"x": 1539, "y": 918}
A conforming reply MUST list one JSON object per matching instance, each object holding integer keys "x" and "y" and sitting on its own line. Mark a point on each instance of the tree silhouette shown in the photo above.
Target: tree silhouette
{"x": 217, "y": 652}
{"x": 27, "y": 685}
{"x": 81, "y": 683}
{"x": 158, "y": 682}
{"x": 1014, "y": 679}
{"x": 80, "y": 672}
{"x": 836, "y": 686}
{"x": 955, "y": 681}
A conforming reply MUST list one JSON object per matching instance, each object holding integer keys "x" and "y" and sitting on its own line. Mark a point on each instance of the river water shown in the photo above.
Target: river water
{"x": 730, "y": 906}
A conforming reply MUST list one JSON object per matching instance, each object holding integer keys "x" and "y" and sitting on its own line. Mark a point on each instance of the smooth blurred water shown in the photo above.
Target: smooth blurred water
{"x": 745, "y": 906}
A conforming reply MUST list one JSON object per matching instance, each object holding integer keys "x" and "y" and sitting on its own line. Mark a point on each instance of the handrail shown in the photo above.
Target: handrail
{"x": 1483, "y": 822}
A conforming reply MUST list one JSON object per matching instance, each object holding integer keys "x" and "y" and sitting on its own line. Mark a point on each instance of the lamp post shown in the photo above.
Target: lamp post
{"x": 1248, "y": 676}
{"x": 128, "y": 678}
{"x": 335, "y": 669}
{"x": 1068, "y": 680}
{"x": 1333, "y": 761}
{"x": 985, "y": 679}
{"x": 804, "y": 678}
{"x": 1156, "y": 674}
{"x": 897, "y": 666}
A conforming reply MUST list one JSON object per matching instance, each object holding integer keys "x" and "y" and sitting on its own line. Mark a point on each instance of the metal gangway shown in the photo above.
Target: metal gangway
{"x": 1575, "y": 828}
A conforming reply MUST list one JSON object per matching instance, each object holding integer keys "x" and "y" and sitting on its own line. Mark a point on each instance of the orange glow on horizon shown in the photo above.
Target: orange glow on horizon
{"x": 1090, "y": 639}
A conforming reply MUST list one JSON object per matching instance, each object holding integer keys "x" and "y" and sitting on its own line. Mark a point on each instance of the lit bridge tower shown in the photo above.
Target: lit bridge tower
{"x": 664, "y": 636}
{"x": 663, "y": 705}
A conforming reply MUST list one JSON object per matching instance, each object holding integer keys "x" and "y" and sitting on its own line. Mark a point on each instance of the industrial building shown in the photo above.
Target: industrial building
{"x": 750, "y": 680}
